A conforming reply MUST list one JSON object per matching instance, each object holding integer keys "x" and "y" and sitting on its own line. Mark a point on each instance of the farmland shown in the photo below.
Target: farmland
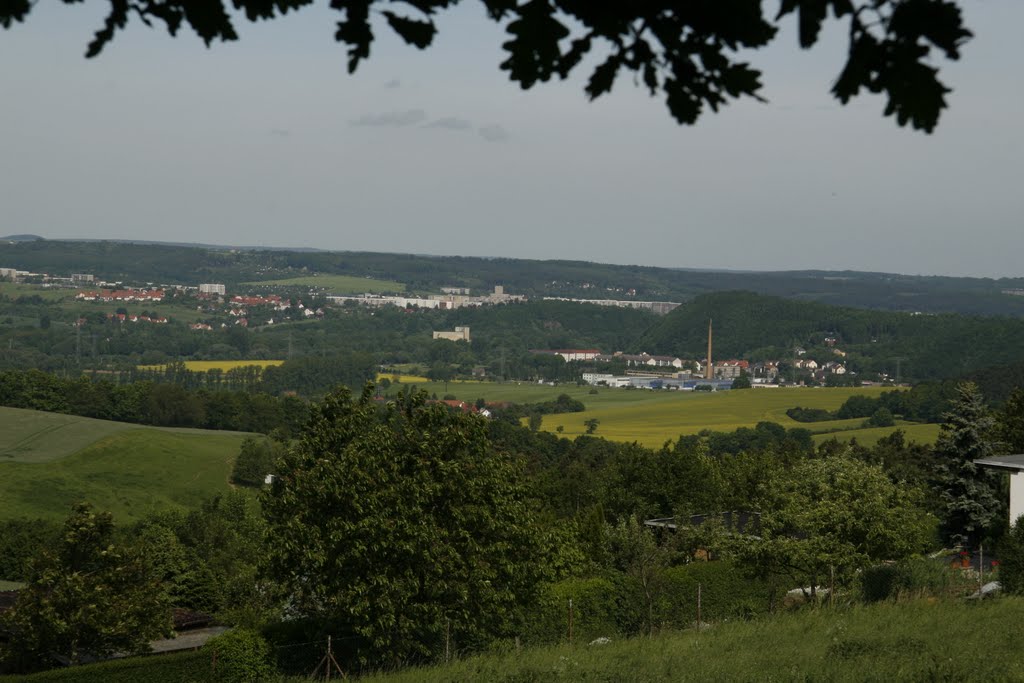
{"x": 50, "y": 461}
{"x": 653, "y": 417}
{"x": 337, "y": 284}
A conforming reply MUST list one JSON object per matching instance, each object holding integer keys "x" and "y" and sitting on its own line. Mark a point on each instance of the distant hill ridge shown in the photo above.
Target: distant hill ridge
{"x": 173, "y": 263}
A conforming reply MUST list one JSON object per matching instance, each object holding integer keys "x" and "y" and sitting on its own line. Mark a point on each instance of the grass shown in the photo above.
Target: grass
{"x": 225, "y": 365}
{"x": 32, "y": 436}
{"x": 14, "y": 290}
{"x": 337, "y": 284}
{"x": 913, "y": 641}
{"x": 131, "y": 473}
{"x": 49, "y": 461}
{"x": 943, "y": 641}
{"x": 653, "y": 417}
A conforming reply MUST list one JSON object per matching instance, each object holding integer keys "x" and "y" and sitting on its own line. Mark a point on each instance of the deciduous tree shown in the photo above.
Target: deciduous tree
{"x": 400, "y": 525}
{"x": 87, "y": 597}
{"x": 830, "y": 517}
{"x": 690, "y": 52}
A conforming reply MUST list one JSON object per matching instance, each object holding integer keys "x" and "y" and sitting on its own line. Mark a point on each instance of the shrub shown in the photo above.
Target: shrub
{"x": 1011, "y": 559}
{"x": 914, "y": 577}
{"x": 595, "y": 611}
{"x": 242, "y": 656}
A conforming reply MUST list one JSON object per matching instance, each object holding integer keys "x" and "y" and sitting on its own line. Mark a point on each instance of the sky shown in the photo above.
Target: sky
{"x": 269, "y": 141}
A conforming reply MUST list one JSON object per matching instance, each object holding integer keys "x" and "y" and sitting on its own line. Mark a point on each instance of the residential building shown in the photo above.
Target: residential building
{"x": 729, "y": 369}
{"x": 570, "y": 354}
{"x": 212, "y": 288}
{"x": 460, "y": 333}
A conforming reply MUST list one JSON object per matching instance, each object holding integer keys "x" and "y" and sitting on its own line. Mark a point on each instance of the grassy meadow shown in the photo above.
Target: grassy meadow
{"x": 653, "y": 417}
{"x": 32, "y": 436}
{"x": 337, "y": 284}
{"x": 50, "y": 461}
{"x": 917, "y": 641}
{"x": 225, "y": 365}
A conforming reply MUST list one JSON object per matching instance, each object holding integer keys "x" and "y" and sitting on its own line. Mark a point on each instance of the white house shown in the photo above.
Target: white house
{"x": 1014, "y": 464}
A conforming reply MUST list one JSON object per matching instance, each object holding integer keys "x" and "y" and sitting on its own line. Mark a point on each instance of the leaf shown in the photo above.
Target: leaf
{"x": 414, "y": 32}
{"x": 603, "y": 78}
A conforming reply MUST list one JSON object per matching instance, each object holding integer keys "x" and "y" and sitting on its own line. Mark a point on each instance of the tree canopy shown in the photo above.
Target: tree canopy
{"x": 689, "y": 52}
{"x": 402, "y": 526}
{"x": 86, "y": 597}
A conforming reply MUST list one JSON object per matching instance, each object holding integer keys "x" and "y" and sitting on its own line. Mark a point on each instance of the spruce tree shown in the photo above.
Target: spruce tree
{"x": 970, "y": 494}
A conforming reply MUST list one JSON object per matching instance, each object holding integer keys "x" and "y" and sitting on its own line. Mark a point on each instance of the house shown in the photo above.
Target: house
{"x": 730, "y": 369}
{"x": 1014, "y": 466}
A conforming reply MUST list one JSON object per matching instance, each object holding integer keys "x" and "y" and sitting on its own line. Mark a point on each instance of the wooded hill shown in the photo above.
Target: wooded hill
{"x": 188, "y": 265}
{"x": 760, "y": 327}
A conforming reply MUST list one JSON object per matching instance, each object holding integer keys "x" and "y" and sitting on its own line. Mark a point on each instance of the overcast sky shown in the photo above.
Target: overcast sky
{"x": 268, "y": 141}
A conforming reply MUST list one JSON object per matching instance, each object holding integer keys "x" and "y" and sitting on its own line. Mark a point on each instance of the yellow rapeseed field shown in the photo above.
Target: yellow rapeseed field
{"x": 225, "y": 365}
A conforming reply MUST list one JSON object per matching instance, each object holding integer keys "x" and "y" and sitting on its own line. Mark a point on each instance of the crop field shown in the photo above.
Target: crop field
{"x": 131, "y": 474}
{"x": 32, "y": 436}
{"x": 337, "y": 284}
{"x": 225, "y": 365}
{"x": 653, "y": 417}
{"x": 50, "y": 461}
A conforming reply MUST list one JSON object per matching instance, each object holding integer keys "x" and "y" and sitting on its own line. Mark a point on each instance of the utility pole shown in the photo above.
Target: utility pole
{"x": 899, "y": 361}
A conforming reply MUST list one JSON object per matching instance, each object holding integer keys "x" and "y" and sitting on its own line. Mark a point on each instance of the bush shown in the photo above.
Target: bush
{"x": 595, "y": 609}
{"x": 241, "y": 656}
{"x": 1011, "y": 559}
{"x": 726, "y": 593}
{"x": 915, "y": 577}
{"x": 881, "y": 418}
{"x": 809, "y": 414}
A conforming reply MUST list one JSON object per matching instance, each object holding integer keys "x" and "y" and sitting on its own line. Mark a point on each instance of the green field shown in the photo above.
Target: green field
{"x": 337, "y": 284}
{"x": 51, "y": 461}
{"x": 14, "y": 290}
{"x": 653, "y": 417}
{"x": 919, "y": 641}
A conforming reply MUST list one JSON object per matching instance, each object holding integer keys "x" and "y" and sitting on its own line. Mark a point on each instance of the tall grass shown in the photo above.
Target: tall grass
{"x": 919, "y": 640}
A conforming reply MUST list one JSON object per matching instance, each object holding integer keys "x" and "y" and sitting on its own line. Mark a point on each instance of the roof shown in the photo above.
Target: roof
{"x": 1014, "y": 463}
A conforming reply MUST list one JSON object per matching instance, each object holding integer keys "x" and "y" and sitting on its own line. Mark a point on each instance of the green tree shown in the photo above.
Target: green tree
{"x": 635, "y": 551}
{"x": 86, "y": 597}
{"x": 825, "y": 519}
{"x": 1010, "y": 422}
{"x": 255, "y": 461}
{"x": 688, "y": 52}
{"x": 881, "y": 418}
{"x": 970, "y": 494}
{"x": 742, "y": 382}
{"x": 591, "y": 425}
{"x": 401, "y": 525}
{"x": 535, "y": 421}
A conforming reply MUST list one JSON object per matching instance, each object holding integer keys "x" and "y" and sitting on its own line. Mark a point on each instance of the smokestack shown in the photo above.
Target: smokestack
{"x": 708, "y": 371}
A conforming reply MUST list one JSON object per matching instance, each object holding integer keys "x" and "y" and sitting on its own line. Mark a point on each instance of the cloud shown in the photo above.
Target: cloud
{"x": 392, "y": 118}
{"x": 280, "y": 132}
{"x": 393, "y": 83}
{"x": 493, "y": 132}
{"x": 451, "y": 123}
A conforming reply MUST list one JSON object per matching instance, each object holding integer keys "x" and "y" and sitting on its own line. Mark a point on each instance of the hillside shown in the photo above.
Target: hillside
{"x": 51, "y": 461}
{"x": 751, "y": 325}
{"x": 189, "y": 264}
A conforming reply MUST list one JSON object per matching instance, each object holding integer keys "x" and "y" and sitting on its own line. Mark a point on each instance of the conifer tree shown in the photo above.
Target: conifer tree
{"x": 970, "y": 495}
